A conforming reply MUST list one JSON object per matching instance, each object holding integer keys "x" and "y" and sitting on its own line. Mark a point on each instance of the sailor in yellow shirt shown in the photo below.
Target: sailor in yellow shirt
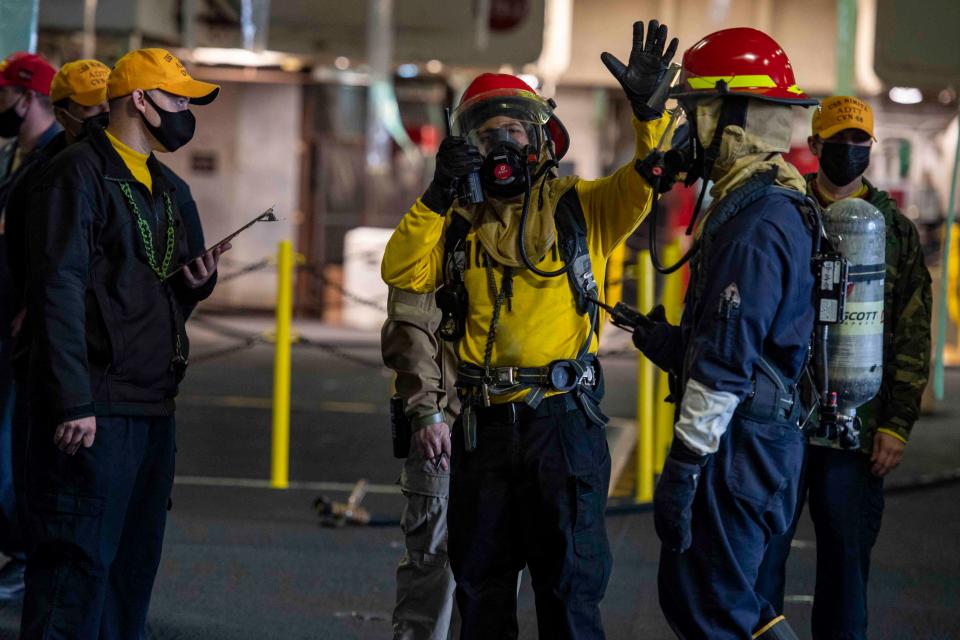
{"x": 517, "y": 274}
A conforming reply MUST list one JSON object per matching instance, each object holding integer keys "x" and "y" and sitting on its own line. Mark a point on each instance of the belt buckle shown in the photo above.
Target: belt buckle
{"x": 506, "y": 375}
{"x": 589, "y": 377}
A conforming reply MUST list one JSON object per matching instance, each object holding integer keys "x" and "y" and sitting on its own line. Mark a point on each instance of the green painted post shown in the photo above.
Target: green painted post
{"x": 944, "y": 259}
{"x": 846, "y": 46}
{"x": 18, "y": 26}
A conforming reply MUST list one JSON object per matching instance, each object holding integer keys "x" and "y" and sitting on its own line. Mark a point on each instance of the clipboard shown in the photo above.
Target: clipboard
{"x": 266, "y": 216}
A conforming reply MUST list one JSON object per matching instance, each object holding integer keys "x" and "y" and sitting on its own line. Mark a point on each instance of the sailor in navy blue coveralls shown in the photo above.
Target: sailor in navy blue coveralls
{"x": 744, "y": 338}
{"x": 731, "y": 480}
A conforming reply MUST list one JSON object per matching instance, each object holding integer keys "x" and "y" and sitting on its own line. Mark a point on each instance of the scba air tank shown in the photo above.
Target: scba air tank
{"x": 855, "y": 346}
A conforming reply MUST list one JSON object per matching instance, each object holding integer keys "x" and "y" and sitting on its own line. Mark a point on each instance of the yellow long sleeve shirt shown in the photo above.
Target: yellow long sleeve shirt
{"x": 542, "y": 323}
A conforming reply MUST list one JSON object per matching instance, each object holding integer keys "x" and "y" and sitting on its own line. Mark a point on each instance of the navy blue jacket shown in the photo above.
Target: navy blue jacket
{"x": 765, "y": 251}
{"x": 108, "y": 336}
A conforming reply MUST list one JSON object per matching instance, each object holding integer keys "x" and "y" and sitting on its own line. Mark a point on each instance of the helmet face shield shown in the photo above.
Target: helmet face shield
{"x": 504, "y": 129}
{"x": 509, "y": 115}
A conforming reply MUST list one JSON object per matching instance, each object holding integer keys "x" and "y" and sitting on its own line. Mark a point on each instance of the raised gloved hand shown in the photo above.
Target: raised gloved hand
{"x": 673, "y": 497}
{"x": 456, "y": 159}
{"x": 647, "y": 66}
{"x": 649, "y": 333}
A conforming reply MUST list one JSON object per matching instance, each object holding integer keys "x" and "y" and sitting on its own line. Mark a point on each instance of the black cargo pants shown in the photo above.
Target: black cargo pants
{"x": 533, "y": 494}
{"x": 96, "y": 523}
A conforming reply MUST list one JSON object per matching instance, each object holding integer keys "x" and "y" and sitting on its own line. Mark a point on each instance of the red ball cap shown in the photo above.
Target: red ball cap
{"x": 28, "y": 71}
{"x": 748, "y": 61}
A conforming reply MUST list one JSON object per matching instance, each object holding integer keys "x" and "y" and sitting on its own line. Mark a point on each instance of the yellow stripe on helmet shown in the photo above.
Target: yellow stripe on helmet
{"x": 733, "y": 82}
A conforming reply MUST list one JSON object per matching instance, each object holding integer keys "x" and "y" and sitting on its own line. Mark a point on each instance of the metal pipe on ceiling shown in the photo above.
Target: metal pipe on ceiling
{"x": 89, "y": 29}
{"x": 188, "y": 17}
{"x": 254, "y": 22}
{"x": 18, "y": 26}
{"x": 379, "y": 57}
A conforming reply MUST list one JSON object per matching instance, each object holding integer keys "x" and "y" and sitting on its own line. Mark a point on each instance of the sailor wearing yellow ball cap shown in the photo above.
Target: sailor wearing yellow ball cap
{"x": 110, "y": 226}
{"x": 79, "y": 96}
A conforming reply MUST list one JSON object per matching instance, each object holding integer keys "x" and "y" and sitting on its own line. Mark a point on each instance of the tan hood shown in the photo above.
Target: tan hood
{"x": 498, "y": 221}
{"x": 754, "y": 148}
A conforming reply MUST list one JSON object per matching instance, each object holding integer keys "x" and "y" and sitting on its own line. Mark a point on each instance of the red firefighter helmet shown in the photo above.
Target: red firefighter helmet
{"x": 500, "y": 94}
{"x": 747, "y": 61}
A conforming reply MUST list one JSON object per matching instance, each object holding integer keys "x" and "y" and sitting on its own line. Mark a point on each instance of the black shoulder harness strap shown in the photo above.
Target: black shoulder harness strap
{"x": 572, "y": 245}
{"x": 452, "y": 296}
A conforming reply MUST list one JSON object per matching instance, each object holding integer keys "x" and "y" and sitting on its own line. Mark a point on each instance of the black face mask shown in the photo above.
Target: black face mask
{"x": 504, "y": 172}
{"x": 176, "y": 127}
{"x": 844, "y": 163}
{"x": 10, "y": 121}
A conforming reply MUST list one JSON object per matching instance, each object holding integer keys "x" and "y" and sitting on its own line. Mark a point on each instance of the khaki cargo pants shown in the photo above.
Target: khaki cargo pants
{"x": 425, "y": 583}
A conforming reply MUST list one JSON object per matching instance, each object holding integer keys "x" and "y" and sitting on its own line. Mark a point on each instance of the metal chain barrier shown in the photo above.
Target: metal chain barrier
{"x": 317, "y": 272}
{"x": 339, "y": 352}
{"x": 314, "y": 270}
{"x": 250, "y": 340}
{"x": 248, "y": 343}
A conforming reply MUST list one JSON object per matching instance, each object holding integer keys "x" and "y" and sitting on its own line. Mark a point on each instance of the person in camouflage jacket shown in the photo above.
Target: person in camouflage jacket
{"x": 907, "y": 304}
{"x": 845, "y": 488}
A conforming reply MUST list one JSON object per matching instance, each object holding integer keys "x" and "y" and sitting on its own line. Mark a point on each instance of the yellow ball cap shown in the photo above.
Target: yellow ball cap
{"x": 838, "y": 113}
{"x": 148, "y": 69}
{"x": 83, "y": 81}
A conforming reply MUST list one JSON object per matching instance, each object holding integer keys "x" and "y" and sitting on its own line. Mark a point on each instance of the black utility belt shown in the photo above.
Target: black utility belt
{"x": 581, "y": 378}
{"x": 771, "y": 399}
{"x": 559, "y": 375}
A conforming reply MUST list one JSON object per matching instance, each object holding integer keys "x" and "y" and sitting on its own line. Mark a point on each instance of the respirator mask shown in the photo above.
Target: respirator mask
{"x": 509, "y": 151}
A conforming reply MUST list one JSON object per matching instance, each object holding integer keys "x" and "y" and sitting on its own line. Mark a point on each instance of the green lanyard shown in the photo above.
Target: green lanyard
{"x": 147, "y": 235}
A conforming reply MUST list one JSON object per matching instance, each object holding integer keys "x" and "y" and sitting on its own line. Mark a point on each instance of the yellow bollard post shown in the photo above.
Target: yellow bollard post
{"x": 950, "y": 287}
{"x": 670, "y": 298}
{"x": 280, "y": 453}
{"x": 645, "y": 452}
